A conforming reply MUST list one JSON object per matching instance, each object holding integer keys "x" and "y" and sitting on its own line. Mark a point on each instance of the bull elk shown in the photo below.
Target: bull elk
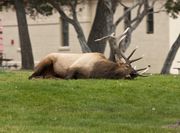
{"x": 87, "y": 65}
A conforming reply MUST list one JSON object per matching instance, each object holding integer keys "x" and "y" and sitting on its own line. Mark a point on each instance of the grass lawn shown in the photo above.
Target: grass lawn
{"x": 143, "y": 105}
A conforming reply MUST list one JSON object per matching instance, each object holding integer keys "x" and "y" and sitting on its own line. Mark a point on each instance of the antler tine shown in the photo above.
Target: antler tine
{"x": 124, "y": 33}
{"x": 112, "y": 35}
{"x": 143, "y": 69}
{"x": 134, "y": 60}
{"x": 132, "y": 53}
{"x": 113, "y": 43}
{"x": 123, "y": 56}
{"x": 118, "y": 40}
{"x": 121, "y": 37}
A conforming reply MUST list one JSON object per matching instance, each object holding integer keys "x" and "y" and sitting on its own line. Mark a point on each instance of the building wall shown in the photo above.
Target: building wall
{"x": 45, "y": 33}
{"x": 154, "y": 46}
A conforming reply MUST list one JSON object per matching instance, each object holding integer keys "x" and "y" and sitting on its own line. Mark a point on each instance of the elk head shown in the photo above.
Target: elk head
{"x": 124, "y": 63}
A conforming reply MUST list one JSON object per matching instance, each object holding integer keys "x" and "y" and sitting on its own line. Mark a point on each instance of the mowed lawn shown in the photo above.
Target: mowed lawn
{"x": 143, "y": 105}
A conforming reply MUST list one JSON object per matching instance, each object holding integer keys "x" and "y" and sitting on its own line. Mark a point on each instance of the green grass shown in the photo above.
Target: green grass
{"x": 143, "y": 105}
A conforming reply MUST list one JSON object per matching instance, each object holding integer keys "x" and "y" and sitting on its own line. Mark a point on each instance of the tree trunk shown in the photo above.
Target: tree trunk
{"x": 102, "y": 25}
{"x": 74, "y": 21}
{"x": 25, "y": 43}
{"x": 81, "y": 37}
{"x": 171, "y": 55}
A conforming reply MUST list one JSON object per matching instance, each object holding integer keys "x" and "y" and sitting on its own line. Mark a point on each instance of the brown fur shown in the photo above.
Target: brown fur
{"x": 75, "y": 66}
{"x": 108, "y": 69}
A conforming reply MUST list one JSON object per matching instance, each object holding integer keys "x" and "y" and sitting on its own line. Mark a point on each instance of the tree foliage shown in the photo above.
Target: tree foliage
{"x": 173, "y": 7}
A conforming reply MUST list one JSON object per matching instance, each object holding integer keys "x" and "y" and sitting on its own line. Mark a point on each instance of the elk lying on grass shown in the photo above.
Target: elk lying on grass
{"x": 85, "y": 65}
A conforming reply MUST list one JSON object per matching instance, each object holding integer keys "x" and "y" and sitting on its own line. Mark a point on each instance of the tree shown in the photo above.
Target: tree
{"x": 173, "y": 7}
{"x": 45, "y": 7}
{"x": 104, "y": 20}
{"x": 143, "y": 8}
{"x": 103, "y": 24}
{"x": 25, "y": 43}
{"x": 170, "y": 57}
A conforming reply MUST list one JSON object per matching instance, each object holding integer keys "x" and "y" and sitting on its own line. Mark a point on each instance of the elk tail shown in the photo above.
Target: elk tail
{"x": 42, "y": 66}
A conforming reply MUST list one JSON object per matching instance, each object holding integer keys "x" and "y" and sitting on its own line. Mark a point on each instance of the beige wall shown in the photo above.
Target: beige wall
{"x": 10, "y": 32}
{"x": 45, "y": 33}
{"x": 154, "y": 46}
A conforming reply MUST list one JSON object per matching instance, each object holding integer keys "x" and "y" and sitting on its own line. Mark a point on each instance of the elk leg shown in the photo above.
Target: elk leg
{"x": 70, "y": 74}
{"x": 76, "y": 73}
{"x": 46, "y": 71}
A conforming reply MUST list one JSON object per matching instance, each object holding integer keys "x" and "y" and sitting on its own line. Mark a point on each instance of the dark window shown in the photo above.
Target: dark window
{"x": 65, "y": 32}
{"x": 150, "y": 21}
{"x": 127, "y": 20}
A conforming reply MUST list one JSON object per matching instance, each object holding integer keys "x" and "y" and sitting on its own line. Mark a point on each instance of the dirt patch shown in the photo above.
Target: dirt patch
{"x": 175, "y": 125}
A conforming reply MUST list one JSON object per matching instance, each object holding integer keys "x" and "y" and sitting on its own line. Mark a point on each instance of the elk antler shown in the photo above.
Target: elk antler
{"x": 114, "y": 41}
{"x": 131, "y": 61}
{"x": 143, "y": 70}
{"x": 121, "y": 37}
{"x": 112, "y": 35}
{"x": 132, "y": 53}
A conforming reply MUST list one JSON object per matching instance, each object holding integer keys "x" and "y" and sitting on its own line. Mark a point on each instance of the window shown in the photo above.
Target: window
{"x": 65, "y": 32}
{"x": 127, "y": 18}
{"x": 150, "y": 21}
